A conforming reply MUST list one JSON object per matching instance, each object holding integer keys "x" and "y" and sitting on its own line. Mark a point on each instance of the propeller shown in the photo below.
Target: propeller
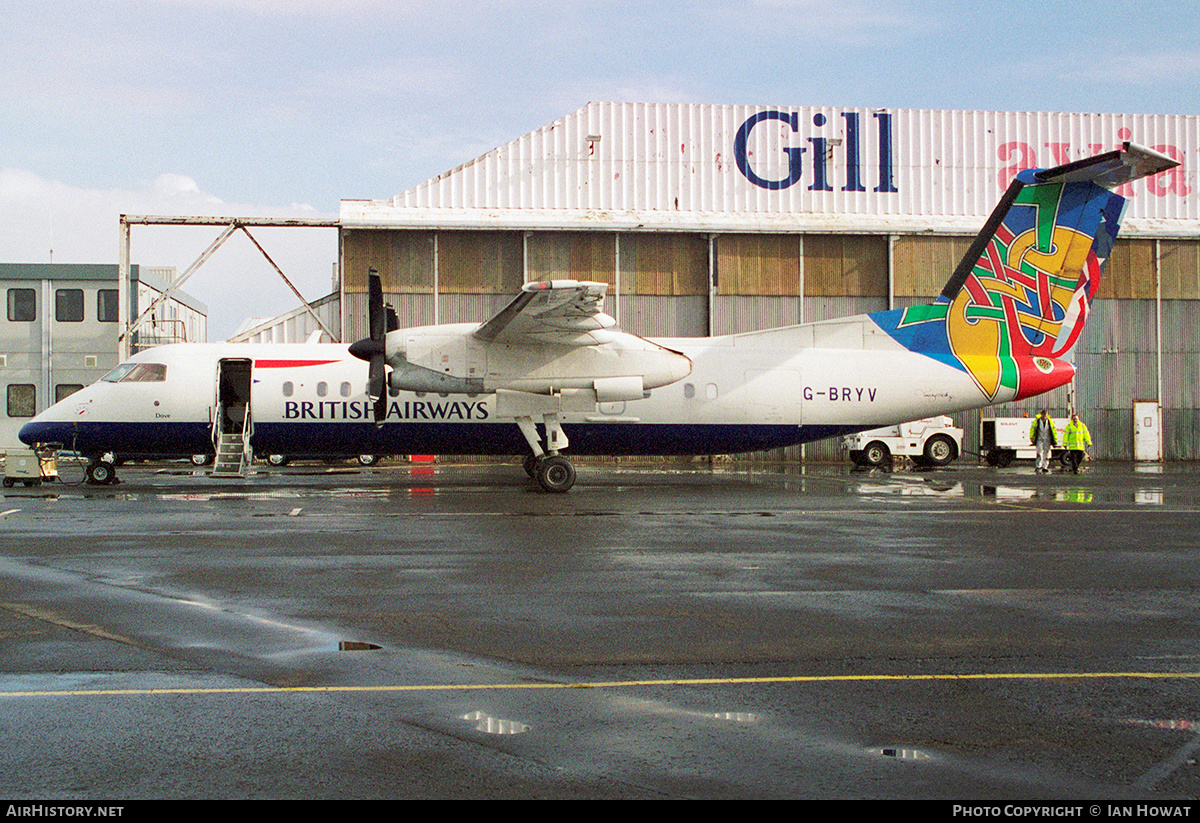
{"x": 373, "y": 349}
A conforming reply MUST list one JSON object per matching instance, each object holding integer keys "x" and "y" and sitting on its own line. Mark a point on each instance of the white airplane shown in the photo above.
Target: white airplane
{"x": 552, "y": 362}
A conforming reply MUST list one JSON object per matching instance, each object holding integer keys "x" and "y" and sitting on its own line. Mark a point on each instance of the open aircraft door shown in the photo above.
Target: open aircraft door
{"x": 232, "y": 418}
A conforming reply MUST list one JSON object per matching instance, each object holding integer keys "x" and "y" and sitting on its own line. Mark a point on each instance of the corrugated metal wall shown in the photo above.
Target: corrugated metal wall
{"x": 688, "y": 159}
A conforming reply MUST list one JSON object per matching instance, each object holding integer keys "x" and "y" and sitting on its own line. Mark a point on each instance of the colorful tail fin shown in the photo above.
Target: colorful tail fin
{"x": 1019, "y": 299}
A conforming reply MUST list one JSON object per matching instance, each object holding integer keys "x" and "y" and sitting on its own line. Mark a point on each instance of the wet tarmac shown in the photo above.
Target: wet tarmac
{"x": 662, "y": 632}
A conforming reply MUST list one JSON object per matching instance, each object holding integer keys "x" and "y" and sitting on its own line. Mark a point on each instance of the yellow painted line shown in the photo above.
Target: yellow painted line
{"x": 614, "y": 684}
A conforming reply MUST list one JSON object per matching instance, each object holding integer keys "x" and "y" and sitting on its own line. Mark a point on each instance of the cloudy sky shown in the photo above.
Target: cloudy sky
{"x": 285, "y": 107}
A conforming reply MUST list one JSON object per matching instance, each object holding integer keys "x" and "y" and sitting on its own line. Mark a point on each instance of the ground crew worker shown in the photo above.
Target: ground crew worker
{"x": 1042, "y": 435}
{"x": 1076, "y": 438}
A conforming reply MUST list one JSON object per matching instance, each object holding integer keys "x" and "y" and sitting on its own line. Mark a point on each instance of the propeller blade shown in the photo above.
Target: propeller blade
{"x": 376, "y": 316}
{"x": 375, "y": 376}
{"x": 381, "y": 409}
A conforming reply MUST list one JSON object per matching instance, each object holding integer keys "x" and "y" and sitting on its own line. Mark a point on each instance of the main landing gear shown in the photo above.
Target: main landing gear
{"x": 552, "y": 471}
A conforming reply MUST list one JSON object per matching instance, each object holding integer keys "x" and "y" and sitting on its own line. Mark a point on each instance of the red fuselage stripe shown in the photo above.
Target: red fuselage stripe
{"x": 288, "y": 364}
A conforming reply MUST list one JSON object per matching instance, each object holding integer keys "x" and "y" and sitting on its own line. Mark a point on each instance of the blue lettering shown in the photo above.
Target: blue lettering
{"x": 833, "y": 393}
{"x": 808, "y": 395}
{"x": 871, "y": 394}
{"x": 306, "y": 410}
{"x": 820, "y": 158}
{"x": 795, "y": 156}
{"x": 885, "y": 152}
{"x": 291, "y": 410}
{"x": 853, "y": 171}
{"x": 822, "y": 148}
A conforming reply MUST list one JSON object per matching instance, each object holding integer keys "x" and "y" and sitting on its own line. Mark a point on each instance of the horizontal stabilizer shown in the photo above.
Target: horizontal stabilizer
{"x": 1115, "y": 168}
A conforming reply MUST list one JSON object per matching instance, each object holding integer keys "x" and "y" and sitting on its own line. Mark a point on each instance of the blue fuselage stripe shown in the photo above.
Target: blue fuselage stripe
{"x": 182, "y": 439}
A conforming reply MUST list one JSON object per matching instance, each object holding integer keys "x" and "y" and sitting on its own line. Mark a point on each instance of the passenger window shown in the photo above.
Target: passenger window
{"x": 68, "y": 305}
{"x": 345, "y": 389}
{"x": 322, "y": 389}
{"x": 64, "y": 390}
{"x": 288, "y": 388}
{"x": 22, "y": 400}
{"x": 710, "y": 391}
{"x": 22, "y": 305}
{"x": 689, "y": 391}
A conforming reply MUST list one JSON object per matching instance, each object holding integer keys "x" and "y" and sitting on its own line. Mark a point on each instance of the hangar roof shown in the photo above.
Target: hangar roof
{"x": 691, "y": 167}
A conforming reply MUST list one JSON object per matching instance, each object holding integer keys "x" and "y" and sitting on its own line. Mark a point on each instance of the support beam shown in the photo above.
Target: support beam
{"x": 231, "y": 225}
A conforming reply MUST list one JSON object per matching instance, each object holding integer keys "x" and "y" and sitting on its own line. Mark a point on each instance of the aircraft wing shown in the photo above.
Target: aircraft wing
{"x": 559, "y": 312}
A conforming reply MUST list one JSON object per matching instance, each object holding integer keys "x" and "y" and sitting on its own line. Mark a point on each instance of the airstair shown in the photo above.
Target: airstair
{"x": 231, "y": 455}
{"x": 232, "y": 427}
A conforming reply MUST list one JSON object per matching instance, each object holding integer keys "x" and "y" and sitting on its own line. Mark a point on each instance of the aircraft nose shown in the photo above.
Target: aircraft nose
{"x": 36, "y": 431}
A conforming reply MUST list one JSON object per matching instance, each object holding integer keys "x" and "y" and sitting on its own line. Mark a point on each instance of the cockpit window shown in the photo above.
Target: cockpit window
{"x": 116, "y": 374}
{"x": 137, "y": 373}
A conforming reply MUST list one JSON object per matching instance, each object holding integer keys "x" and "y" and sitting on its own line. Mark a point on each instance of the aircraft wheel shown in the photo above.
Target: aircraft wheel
{"x": 277, "y": 459}
{"x": 939, "y": 450}
{"x": 1065, "y": 459}
{"x": 201, "y": 459}
{"x": 9, "y": 482}
{"x": 367, "y": 460}
{"x": 556, "y": 474}
{"x": 101, "y": 473}
{"x": 875, "y": 454}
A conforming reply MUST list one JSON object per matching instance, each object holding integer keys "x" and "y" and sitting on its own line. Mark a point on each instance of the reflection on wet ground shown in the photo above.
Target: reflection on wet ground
{"x": 660, "y": 631}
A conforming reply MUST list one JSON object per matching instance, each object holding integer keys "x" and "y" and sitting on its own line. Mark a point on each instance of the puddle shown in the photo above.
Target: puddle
{"x": 898, "y": 753}
{"x": 494, "y": 725}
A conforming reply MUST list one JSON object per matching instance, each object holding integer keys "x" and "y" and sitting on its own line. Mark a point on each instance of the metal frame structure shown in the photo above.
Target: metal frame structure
{"x": 231, "y": 225}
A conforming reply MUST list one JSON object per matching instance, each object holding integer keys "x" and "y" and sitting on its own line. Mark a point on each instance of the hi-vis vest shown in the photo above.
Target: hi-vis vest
{"x": 1076, "y": 436}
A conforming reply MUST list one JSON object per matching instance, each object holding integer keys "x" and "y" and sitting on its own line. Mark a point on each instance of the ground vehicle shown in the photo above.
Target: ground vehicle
{"x": 29, "y": 468}
{"x": 1005, "y": 439}
{"x": 932, "y": 441}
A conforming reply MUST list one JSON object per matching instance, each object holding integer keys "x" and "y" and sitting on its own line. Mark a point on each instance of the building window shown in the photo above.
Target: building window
{"x": 22, "y": 400}
{"x": 68, "y": 305}
{"x": 22, "y": 305}
{"x": 64, "y": 390}
{"x": 107, "y": 310}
